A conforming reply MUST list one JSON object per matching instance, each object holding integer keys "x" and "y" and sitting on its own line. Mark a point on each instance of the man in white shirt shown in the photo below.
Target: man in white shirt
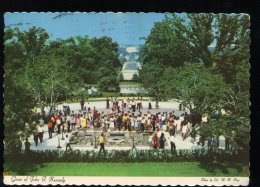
{"x": 163, "y": 118}
{"x": 184, "y": 131}
{"x": 67, "y": 143}
{"x": 164, "y": 127}
{"x": 181, "y": 118}
{"x": 177, "y": 123}
{"x": 124, "y": 102}
{"x": 40, "y": 129}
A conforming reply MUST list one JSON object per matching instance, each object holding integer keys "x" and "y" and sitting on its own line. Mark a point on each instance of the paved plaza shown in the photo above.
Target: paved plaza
{"x": 52, "y": 144}
{"x": 169, "y": 106}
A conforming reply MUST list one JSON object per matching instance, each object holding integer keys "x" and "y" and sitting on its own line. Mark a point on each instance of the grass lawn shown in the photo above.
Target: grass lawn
{"x": 179, "y": 169}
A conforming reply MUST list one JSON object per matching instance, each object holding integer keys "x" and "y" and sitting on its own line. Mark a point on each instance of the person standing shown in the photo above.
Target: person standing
{"x": 178, "y": 125}
{"x": 171, "y": 126}
{"x": 162, "y": 141}
{"x": 73, "y": 122}
{"x": 172, "y": 142}
{"x": 27, "y": 145}
{"x": 184, "y": 131}
{"x": 89, "y": 108}
{"x": 124, "y": 119}
{"x": 35, "y": 138}
{"x": 139, "y": 119}
{"x": 135, "y": 124}
{"x": 41, "y": 121}
{"x": 150, "y": 141}
{"x": 227, "y": 143}
{"x": 68, "y": 121}
{"x": 193, "y": 134}
{"x": 132, "y": 122}
{"x": 111, "y": 123}
{"x": 84, "y": 124}
{"x": 148, "y": 123}
{"x": 18, "y": 145}
{"x": 50, "y": 125}
{"x": 155, "y": 141}
{"x": 138, "y": 104}
{"x": 67, "y": 143}
{"x": 181, "y": 118}
{"x": 124, "y": 101}
{"x": 53, "y": 123}
{"x": 40, "y": 130}
{"x": 107, "y": 103}
{"x": 119, "y": 122}
{"x": 102, "y": 143}
{"x": 210, "y": 142}
{"x": 157, "y": 104}
{"x": 153, "y": 124}
{"x": 58, "y": 122}
{"x": 143, "y": 121}
{"x": 82, "y": 102}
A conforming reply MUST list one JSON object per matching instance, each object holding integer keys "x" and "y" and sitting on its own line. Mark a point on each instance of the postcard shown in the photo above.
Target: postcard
{"x": 126, "y": 98}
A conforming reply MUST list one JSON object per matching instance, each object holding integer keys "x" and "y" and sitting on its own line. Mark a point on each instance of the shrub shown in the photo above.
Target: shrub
{"x": 126, "y": 156}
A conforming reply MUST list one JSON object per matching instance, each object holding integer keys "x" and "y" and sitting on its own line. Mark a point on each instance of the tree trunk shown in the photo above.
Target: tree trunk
{"x": 51, "y": 103}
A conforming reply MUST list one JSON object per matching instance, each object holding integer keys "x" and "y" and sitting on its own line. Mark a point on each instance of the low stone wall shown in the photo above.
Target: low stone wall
{"x": 119, "y": 139}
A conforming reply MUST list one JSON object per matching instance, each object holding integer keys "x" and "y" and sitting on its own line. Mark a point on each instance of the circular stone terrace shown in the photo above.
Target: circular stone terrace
{"x": 115, "y": 140}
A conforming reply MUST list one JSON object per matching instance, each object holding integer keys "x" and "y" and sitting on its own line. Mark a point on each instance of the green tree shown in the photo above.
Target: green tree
{"x": 17, "y": 102}
{"x": 165, "y": 45}
{"x": 17, "y": 108}
{"x": 151, "y": 78}
{"x": 107, "y": 62}
{"x": 49, "y": 78}
{"x": 196, "y": 87}
{"x": 94, "y": 60}
{"x": 219, "y": 41}
{"x": 80, "y": 54}
{"x": 34, "y": 42}
{"x": 233, "y": 127}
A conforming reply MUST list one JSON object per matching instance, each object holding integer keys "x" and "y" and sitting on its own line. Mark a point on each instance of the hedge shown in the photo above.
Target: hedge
{"x": 128, "y": 156}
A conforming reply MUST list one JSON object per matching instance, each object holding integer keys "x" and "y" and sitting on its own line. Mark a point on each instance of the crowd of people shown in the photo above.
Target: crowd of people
{"x": 121, "y": 120}
{"x": 125, "y": 117}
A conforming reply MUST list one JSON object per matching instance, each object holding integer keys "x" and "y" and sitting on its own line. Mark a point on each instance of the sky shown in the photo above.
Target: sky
{"x": 124, "y": 28}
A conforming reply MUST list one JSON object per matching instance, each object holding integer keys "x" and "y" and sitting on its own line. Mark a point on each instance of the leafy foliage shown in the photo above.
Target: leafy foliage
{"x": 212, "y": 73}
{"x": 41, "y": 71}
{"x": 197, "y": 88}
{"x": 127, "y": 156}
{"x": 94, "y": 60}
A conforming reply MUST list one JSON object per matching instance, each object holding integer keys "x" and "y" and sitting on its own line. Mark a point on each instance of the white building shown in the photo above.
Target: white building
{"x": 129, "y": 69}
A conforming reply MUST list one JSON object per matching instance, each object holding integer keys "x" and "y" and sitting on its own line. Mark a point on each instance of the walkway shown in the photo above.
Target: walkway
{"x": 52, "y": 144}
{"x": 168, "y": 106}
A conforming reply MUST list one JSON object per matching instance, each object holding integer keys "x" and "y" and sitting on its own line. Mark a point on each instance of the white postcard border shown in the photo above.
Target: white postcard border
{"x": 152, "y": 181}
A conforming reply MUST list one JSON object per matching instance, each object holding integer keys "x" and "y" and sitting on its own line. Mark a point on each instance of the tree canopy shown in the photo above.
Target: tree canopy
{"x": 40, "y": 71}
{"x": 202, "y": 60}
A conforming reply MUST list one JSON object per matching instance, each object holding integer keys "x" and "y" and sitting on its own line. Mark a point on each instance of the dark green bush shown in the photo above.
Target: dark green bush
{"x": 127, "y": 156}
